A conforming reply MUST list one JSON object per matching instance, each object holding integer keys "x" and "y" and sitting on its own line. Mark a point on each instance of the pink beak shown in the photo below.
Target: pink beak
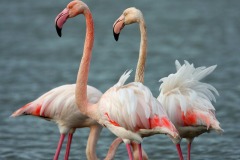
{"x": 118, "y": 26}
{"x": 60, "y": 20}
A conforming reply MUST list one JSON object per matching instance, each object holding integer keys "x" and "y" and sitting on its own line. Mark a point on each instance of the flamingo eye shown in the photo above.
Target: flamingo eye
{"x": 70, "y": 5}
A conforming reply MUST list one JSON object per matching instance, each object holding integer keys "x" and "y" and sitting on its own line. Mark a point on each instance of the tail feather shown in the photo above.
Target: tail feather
{"x": 123, "y": 78}
{"x": 21, "y": 111}
{"x": 28, "y": 109}
{"x": 219, "y": 131}
{"x": 164, "y": 125}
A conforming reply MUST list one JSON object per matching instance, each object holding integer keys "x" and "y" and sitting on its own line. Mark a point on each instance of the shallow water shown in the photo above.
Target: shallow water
{"x": 34, "y": 60}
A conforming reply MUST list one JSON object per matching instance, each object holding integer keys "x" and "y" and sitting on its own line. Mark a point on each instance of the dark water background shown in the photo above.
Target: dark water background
{"x": 33, "y": 60}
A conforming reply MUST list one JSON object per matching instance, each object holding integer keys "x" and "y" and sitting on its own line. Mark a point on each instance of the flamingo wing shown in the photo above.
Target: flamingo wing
{"x": 57, "y": 103}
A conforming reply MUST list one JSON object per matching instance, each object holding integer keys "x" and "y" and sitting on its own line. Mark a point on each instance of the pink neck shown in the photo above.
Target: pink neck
{"x": 139, "y": 76}
{"x": 82, "y": 77}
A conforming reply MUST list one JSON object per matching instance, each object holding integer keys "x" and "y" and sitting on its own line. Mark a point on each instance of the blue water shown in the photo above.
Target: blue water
{"x": 34, "y": 60}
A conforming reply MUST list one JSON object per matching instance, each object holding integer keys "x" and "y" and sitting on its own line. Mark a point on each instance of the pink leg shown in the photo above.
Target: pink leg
{"x": 140, "y": 151}
{"x": 70, "y": 135}
{"x": 189, "y": 150}
{"x": 60, "y": 142}
{"x": 129, "y": 151}
{"x": 179, "y": 151}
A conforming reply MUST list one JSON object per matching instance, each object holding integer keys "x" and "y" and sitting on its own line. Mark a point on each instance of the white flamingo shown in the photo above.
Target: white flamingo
{"x": 129, "y": 16}
{"x": 187, "y": 101}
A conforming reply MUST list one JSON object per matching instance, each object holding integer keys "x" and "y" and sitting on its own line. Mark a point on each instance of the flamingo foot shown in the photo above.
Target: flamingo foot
{"x": 60, "y": 142}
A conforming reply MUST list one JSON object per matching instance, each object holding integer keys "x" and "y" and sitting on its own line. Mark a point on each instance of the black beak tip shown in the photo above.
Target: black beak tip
{"x": 59, "y": 31}
{"x": 116, "y": 36}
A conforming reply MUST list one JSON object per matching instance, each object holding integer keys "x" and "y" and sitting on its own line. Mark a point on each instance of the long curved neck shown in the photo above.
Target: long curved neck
{"x": 113, "y": 148}
{"x": 93, "y": 137}
{"x": 139, "y": 76}
{"x": 82, "y": 77}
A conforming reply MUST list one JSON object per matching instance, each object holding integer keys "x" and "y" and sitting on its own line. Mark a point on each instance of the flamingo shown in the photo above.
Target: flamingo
{"x": 128, "y": 111}
{"x": 129, "y": 16}
{"x": 59, "y": 105}
{"x": 187, "y": 101}
{"x": 133, "y": 15}
{"x": 137, "y": 17}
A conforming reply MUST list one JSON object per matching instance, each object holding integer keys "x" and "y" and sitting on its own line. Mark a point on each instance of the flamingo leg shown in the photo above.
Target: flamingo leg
{"x": 60, "y": 142}
{"x": 189, "y": 150}
{"x": 179, "y": 151}
{"x": 70, "y": 135}
{"x": 129, "y": 152}
{"x": 140, "y": 151}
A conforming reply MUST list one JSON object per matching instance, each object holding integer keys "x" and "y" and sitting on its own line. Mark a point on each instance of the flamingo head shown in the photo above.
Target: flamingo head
{"x": 129, "y": 16}
{"x": 73, "y": 9}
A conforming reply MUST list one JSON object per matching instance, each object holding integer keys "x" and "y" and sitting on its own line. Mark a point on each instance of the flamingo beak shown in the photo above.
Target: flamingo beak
{"x": 118, "y": 26}
{"x": 60, "y": 20}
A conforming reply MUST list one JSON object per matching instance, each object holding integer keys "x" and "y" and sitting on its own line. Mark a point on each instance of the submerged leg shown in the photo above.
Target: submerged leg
{"x": 179, "y": 151}
{"x": 70, "y": 135}
{"x": 60, "y": 142}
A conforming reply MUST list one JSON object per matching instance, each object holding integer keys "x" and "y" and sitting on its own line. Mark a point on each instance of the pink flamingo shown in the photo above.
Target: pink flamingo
{"x": 129, "y": 16}
{"x": 187, "y": 101}
{"x": 132, "y": 15}
{"x": 128, "y": 111}
{"x": 59, "y": 105}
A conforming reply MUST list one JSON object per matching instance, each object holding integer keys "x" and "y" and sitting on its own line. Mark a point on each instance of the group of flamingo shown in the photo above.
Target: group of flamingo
{"x": 183, "y": 108}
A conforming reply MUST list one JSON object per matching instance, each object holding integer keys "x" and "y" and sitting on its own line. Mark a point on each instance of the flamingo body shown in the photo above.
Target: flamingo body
{"x": 59, "y": 105}
{"x": 186, "y": 100}
{"x": 128, "y": 110}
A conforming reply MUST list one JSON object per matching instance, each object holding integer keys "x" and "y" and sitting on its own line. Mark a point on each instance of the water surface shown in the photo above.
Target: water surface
{"x": 34, "y": 60}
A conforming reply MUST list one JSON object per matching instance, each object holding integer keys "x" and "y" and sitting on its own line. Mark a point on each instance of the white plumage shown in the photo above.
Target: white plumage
{"x": 132, "y": 107}
{"x": 184, "y": 92}
{"x": 59, "y": 105}
{"x": 188, "y": 101}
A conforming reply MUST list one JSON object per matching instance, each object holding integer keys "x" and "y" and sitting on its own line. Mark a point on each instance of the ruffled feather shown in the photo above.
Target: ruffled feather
{"x": 184, "y": 88}
{"x": 131, "y": 106}
{"x": 186, "y": 99}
